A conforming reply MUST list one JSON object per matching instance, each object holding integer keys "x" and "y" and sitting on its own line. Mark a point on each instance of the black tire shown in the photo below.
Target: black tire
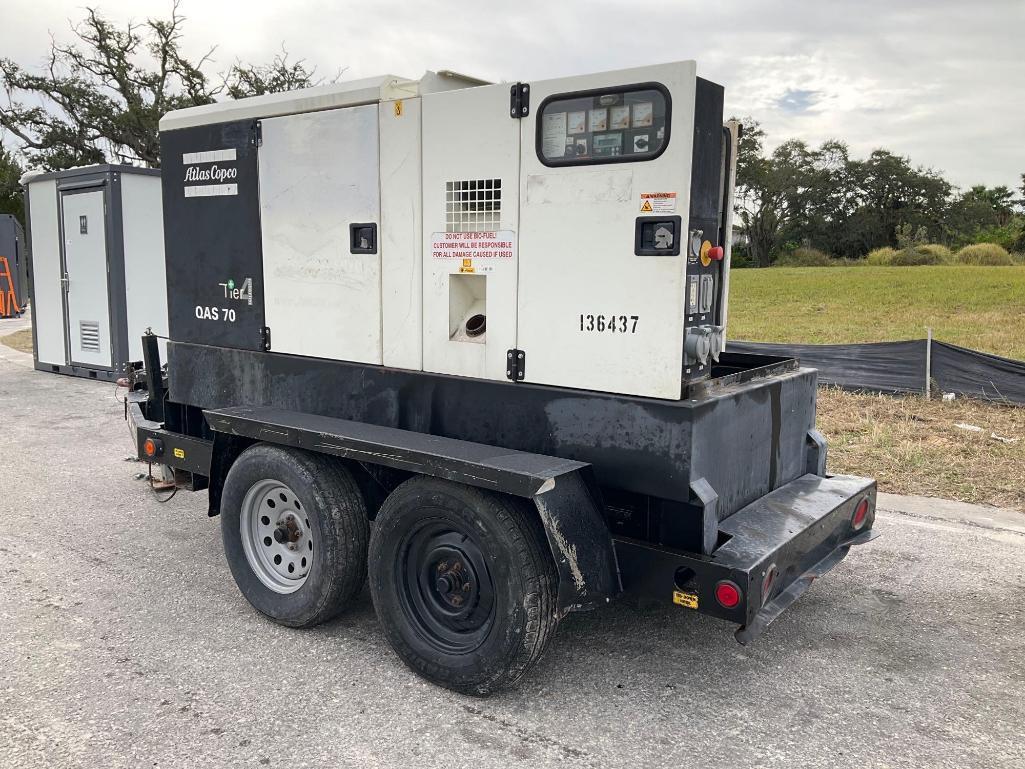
{"x": 506, "y": 581}
{"x": 339, "y": 532}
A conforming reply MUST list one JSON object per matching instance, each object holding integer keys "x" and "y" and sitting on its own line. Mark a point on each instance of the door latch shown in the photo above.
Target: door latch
{"x": 363, "y": 238}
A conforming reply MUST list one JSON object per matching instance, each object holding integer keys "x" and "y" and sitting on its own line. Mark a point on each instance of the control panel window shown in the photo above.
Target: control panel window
{"x": 604, "y": 126}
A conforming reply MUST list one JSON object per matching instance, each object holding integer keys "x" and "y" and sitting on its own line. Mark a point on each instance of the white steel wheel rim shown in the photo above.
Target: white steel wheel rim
{"x": 276, "y": 536}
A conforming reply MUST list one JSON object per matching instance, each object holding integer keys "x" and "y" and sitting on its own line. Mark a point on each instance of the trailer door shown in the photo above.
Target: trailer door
{"x": 319, "y": 214}
{"x": 604, "y": 198}
{"x": 85, "y": 273}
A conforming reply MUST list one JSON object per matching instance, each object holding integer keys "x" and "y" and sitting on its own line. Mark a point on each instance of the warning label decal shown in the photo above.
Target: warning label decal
{"x": 687, "y": 600}
{"x": 658, "y": 202}
{"x": 473, "y": 245}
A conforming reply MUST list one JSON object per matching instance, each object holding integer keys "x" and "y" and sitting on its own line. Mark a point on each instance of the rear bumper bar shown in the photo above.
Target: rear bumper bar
{"x": 774, "y": 549}
{"x": 176, "y": 450}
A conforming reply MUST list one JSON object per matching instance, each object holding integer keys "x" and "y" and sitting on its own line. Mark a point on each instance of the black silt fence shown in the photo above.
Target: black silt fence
{"x": 900, "y": 367}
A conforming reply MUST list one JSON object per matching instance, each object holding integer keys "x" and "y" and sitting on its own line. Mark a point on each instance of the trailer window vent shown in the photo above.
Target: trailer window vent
{"x": 473, "y": 205}
{"x": 89, "y": 335}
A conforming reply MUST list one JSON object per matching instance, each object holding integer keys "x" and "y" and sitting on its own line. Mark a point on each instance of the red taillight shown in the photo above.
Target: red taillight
{"x": 727, "y": 594}
{"x": 860, "y": 514}
{"x": 152, "y": 447}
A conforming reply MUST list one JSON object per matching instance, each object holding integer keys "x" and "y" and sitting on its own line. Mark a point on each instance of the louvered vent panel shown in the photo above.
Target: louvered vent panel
{"x": 89, "y": 335}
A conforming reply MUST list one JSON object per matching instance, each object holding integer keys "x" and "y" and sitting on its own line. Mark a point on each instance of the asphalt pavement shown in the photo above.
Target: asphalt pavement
{"x": 124, "y": 643}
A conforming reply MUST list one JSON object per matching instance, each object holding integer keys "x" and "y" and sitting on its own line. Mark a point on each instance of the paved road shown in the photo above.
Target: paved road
{"x": 124, "y": 643}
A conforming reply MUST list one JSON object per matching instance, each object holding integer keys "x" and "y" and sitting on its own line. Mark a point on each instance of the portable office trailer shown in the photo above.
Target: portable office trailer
{"x": 98, "y": 275}
{"x": 14, "y": 269}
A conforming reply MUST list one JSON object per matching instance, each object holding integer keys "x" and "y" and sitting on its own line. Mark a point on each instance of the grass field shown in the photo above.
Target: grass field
{"x": 19, "y": 340}
{"x": 914, "y": 446}
{"x": 978, "y": 307}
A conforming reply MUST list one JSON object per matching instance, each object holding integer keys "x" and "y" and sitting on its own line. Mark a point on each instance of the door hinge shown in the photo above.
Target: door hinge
{"x": 515, "y": 365}
{"x": 258, "y": 134}
{"x": 519, "y": 100}
{"x": 265, "y": 338}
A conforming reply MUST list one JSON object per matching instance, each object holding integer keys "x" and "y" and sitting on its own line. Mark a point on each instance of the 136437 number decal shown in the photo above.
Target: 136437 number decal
{"x": 609, "y": 324}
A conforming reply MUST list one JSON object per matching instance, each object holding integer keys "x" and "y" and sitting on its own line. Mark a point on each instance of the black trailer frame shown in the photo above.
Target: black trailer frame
{"x": 771, "y": 549}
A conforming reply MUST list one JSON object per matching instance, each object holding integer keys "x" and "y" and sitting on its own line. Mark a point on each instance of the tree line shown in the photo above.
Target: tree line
{"x": 822, "y": 198}
{"x": 100, "y": 99}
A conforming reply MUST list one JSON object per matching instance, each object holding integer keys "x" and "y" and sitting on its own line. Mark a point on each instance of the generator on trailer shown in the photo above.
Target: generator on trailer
{"x": 469, "y": 338}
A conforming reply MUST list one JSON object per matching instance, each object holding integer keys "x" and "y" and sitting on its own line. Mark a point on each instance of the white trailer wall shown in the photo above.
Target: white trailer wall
{"x": 145, "y": 274}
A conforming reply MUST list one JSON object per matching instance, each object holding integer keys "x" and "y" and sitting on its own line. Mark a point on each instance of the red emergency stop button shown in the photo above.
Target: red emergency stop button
{"x": 716, "y": 253}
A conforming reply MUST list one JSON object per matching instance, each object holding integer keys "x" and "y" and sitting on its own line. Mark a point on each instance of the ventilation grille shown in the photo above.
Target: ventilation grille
{"x": 473, "y": 206}
{"x": 89, "y": 335}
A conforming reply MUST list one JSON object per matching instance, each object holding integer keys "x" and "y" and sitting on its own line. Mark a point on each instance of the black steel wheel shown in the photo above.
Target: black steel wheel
{"x": 445, "y": 586}
{"x": 295, "y": 531}
{"x": 463, "y": 583}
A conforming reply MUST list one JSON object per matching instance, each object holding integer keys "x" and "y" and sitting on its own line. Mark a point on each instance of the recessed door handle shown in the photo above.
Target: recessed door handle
{"x": 363, "y": 238}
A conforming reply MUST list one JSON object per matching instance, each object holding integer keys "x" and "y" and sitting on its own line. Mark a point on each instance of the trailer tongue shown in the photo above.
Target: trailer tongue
{"x": 490, "y": 321}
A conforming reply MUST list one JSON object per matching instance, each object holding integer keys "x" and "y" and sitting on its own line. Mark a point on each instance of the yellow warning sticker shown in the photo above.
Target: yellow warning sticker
{"x": 398, "y": 108}
{"x": 466, "y": 266}
{"x": 686, "y": 600}
{"x": 658, "y": 202}
{"x": 179, "y": 453}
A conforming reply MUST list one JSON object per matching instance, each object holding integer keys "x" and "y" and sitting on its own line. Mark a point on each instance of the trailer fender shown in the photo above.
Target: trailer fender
{"x": 563, "y": 491}
{"x": 571, "y": 512}
{"x": 227, "y": 449}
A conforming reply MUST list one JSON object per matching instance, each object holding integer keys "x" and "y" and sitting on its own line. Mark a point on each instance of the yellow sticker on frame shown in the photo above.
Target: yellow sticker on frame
{"x": 179, "y": 453}
{"x": 686, "y": 600}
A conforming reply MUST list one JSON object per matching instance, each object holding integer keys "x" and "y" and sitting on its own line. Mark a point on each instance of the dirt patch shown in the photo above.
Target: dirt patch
{"x": 916, "y": 446}
{"x": 19, "y": 340}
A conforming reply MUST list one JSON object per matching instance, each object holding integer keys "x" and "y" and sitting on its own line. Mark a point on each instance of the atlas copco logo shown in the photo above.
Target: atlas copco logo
{"x": 214, "y": 173}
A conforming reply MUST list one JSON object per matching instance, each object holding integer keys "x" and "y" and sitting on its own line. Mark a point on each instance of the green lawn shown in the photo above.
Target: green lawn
{"x": 978, "y": 307}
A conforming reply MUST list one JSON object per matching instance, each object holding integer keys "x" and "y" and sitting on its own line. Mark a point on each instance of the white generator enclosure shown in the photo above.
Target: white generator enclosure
{"x": 571, "y": 232}
{"x": 98, "y": 270}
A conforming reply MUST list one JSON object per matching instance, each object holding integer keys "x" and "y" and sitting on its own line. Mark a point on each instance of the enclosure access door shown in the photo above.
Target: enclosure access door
{"x": 471, "y": 153}
{"x": 604, "y": 197}
{"x": 319, "y": 212}
{"x": 85, "y": 277}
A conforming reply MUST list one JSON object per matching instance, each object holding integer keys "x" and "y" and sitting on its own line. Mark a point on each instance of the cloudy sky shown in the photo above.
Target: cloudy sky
{"x": 940, "y": 81}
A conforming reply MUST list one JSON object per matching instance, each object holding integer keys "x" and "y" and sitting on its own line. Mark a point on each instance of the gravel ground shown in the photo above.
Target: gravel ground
{"x": 124, "y": 643}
